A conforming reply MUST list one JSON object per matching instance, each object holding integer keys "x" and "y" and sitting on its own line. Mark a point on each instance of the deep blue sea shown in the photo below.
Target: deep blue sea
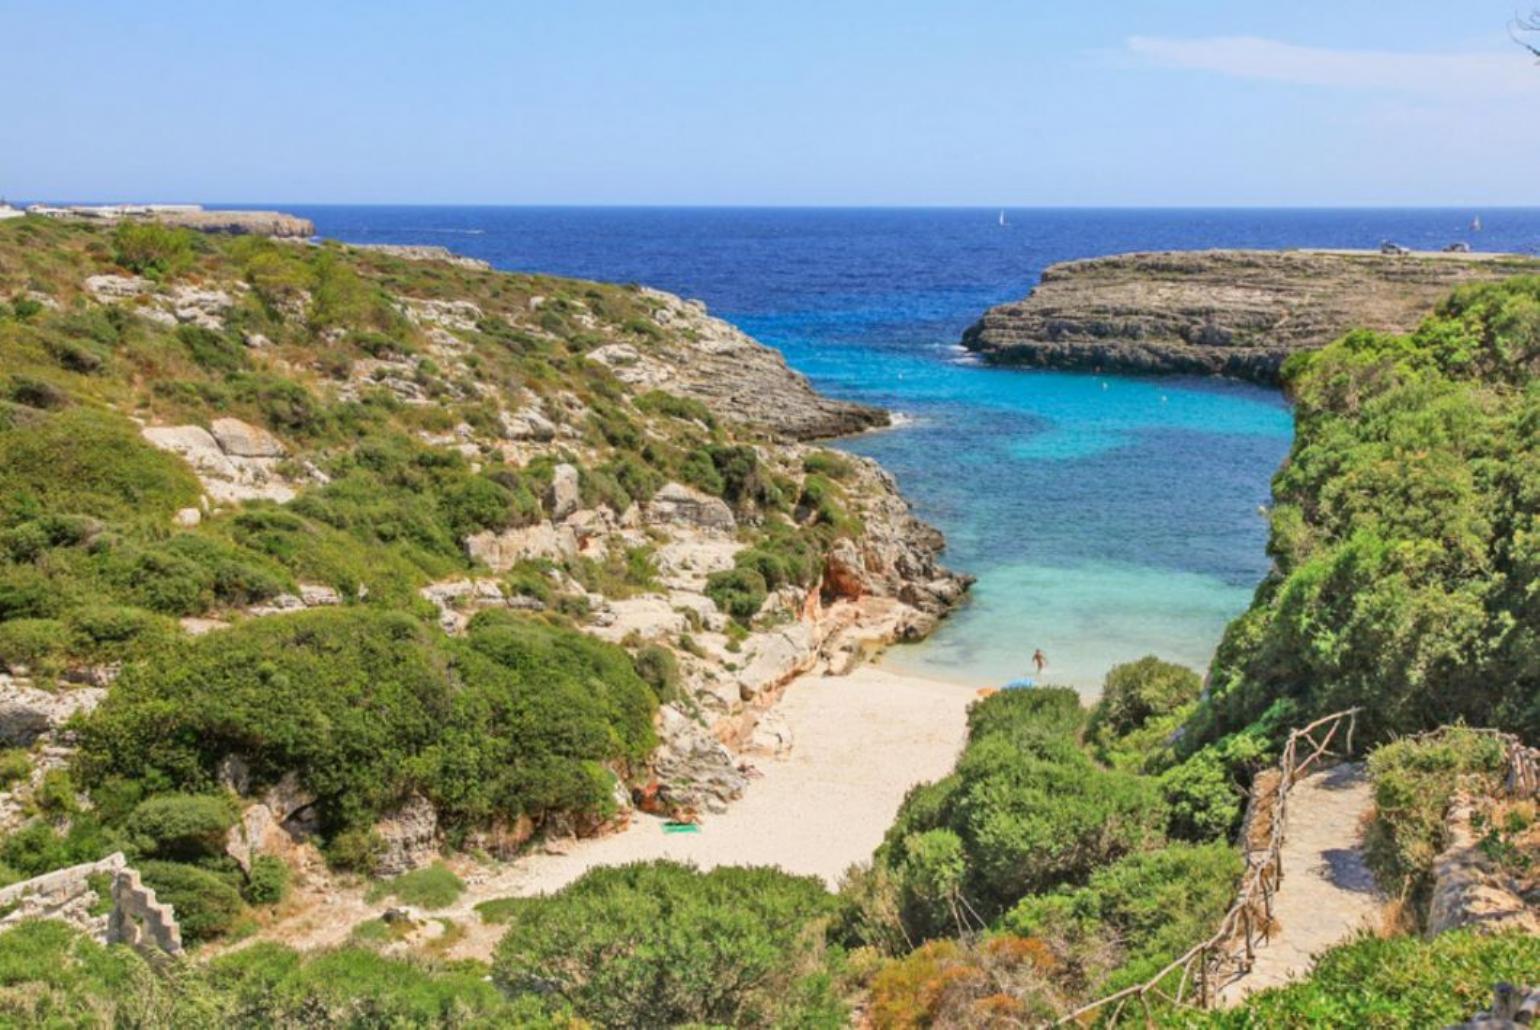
{"x": 1105, "y": 517}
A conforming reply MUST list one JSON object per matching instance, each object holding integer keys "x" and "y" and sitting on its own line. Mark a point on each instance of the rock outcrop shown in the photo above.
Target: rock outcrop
{"x": 1469, "y": 888}
{"x": 1236, "y": 313}
{"x": 738, "y": 378}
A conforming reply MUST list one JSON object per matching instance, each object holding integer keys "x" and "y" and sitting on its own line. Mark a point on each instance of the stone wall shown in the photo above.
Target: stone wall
{"x": 75, "y": 896}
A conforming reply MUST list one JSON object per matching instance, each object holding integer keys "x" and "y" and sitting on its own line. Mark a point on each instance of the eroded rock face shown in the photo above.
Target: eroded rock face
{"x": 741, "y": 380}
{"x": 1469, "y": 890}
{"x": 565, "y": 493}
{"x": 692, "y": 767}
{"x": 501, "y": 551}
{"x": 677, "y": 503}
{"x": 27, "y": 713}
{"x": 409, "y": 837}
{"x": 1219, "y": 312}
{"x": 238, "y": 462}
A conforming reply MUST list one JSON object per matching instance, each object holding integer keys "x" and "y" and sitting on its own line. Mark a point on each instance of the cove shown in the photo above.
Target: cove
{"x": 1104, "y": 517}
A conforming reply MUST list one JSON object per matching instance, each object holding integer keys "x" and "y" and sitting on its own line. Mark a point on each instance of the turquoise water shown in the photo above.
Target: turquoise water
{"x": 1105, "y": 517}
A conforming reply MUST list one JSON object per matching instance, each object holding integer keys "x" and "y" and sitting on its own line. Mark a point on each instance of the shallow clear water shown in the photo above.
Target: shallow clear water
{"x": 1105, "y": 517}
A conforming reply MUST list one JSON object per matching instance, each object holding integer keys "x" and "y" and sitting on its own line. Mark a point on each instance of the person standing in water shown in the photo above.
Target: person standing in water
{"x": 1039, "y": 659}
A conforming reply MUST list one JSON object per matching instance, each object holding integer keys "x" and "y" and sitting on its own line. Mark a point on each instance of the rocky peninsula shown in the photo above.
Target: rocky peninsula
{"x": 1236, "y": 313}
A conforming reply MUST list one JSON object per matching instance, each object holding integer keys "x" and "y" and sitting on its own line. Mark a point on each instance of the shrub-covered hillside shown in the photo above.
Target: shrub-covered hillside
{"x": 1404, "y": 531}
{"x": 395, "y": 552}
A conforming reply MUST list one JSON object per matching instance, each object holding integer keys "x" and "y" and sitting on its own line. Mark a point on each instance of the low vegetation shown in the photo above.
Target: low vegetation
{"x": 660, "y": 944}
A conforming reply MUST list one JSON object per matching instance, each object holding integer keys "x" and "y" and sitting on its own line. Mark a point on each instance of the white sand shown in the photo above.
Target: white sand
{"x": 859, "y": 742}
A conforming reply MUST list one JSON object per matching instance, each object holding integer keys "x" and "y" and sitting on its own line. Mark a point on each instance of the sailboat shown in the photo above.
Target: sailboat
{"x": 1002, "y": 216}
{"x": 1475, "y": 224}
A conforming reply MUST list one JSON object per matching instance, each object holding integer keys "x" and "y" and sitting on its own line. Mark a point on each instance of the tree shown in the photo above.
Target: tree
{"x": 1520, "y": 25}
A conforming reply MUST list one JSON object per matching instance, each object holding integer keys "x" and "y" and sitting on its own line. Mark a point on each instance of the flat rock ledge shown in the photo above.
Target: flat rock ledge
{"x": 1237, "y": 313}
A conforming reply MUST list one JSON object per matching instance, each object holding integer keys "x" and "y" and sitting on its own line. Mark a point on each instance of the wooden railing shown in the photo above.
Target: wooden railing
{"x": 1207, "y": 966}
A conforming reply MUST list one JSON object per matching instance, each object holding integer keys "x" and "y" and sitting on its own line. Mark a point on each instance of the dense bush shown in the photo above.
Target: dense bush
{"x": 206, "y": 904}
{"x": 1026, "y": 811}
{"x": 181, "y": 826}
{"x": 51, "y": 975}
{"x": 149, "y": 248}
{"x": 1002, "y": 981}
{"x": 84, "y": 462}
{"x": 1142, "y": 704}
{"x": 364, "y": 706}
{"x": 1414, "y": 781}
{"x": 1403, "y": 531}
{"x": 1133, "y": 916}
{"x": 1394, "y": 982}
{"x": 660, "y": 944}
{"x": 739, "y": 592}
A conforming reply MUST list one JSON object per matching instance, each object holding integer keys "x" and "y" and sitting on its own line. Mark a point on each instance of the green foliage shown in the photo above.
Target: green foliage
{"x": 1141, "y": 705}
{"x": 51, "y": 975}
{"x": 1133, "y": 916}
{"x": 268, "y": 881}
{"x": 674, "y": 406}
{"x": 1404, "y": 532}
{"x": 89, "y": 463}
{"x": 207, "y": 906}
{"x": 660, "y": 944}
{"x": 1392, "y": 982}
{"x": 1414, "y": 782}
{"x": 660, "y": 669}
{"x": 364, "y": 706}
{"x": 15, "y": 764}
{"x": 181, "y": 826}
{"x": 1026, "y": 809}
{"x": 829, "y": 464}
{"x": 430, "y": 887}
{"x": 739, "y": 592}
{"x": 155, "y": 250}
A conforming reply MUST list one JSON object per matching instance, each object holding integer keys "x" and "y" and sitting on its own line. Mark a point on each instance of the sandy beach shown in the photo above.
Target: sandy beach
{"x": 859, "y": 743}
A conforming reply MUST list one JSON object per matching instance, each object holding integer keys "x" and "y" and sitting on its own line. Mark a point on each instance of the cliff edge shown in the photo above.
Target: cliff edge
{"x": 1236, "y": 313}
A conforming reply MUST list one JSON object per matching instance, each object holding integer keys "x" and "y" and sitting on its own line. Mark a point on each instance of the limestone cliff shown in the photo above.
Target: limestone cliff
{"x": 1219, "y": 312}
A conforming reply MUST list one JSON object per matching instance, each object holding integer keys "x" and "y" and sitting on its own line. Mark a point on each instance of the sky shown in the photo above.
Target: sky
{"x": 775, "y": 102}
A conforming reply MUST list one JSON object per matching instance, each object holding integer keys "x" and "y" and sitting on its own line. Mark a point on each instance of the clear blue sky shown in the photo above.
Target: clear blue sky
{"x": 1037, "y": 102}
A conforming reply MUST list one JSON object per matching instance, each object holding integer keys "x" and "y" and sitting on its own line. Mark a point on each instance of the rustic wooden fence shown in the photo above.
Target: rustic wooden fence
{"x": 1194, "y": 979}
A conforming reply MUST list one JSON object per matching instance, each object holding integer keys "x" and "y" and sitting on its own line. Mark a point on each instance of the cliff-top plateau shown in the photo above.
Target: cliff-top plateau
{"x": 1236, "y": 313}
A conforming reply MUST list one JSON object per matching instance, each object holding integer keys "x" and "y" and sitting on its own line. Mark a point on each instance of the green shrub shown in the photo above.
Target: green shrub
{"x": 365, "y": 706}
{"x": 1141, "y": 695}
{"x": 1414, "y": 782}
{"x": 183, "y": 827}
{"x": 829, "y": 464}
{"x": 151, "y": 249}
{"x": 217, "y": 352}
{"x": 206, "y": 905}
{"x": 1135, "y": 915}
{"x": 268, "y": 881}
{"x": 674, "y": 406}
{"x": 83, "y": 462}
{"x": 1403, "y": 532}
{"x": 1393, "y": 982}
{"x": 15, "y": 764}
{"x": 1028, "y": 811}
{"x": 657, "y": 666}
{"x": 431, "y": 887}
{"x": 737, "y": 592}
{"x": 38, "y": 644}
{"x": 660, "y": 944}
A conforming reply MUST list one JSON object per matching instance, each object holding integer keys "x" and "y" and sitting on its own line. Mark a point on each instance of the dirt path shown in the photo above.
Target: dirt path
{"x": 1327, "y": 893}
{"x": 859, "y": 743}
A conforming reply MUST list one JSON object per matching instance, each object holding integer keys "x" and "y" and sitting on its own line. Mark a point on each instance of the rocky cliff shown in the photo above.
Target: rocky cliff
{"x": 1219, "y": 312}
